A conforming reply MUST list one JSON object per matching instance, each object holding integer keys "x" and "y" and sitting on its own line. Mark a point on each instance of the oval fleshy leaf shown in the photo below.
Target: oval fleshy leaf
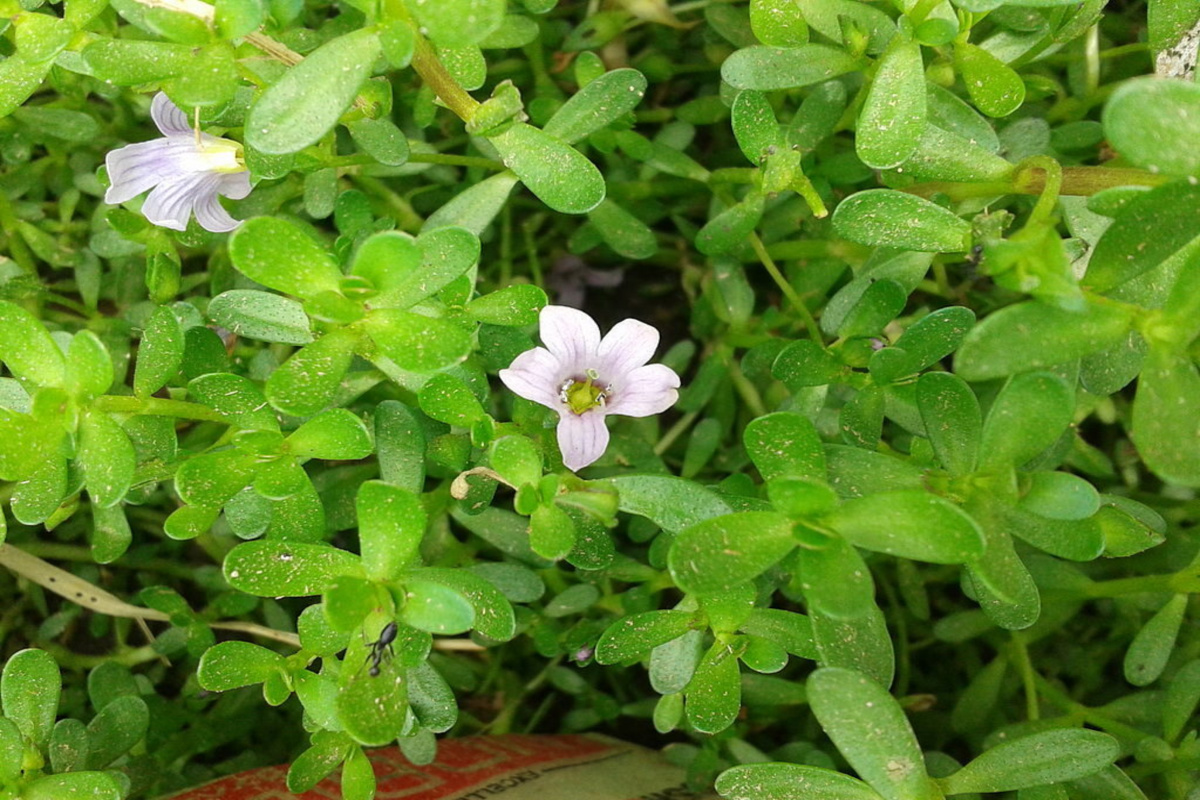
{"x": 261, "y": 315}
{"x": 272, "y": 568}
{"x": 1166, "y": 419}
{"x": 791, "y": 782}
{"x": 916, "y": 525}
{"x": 27, "y": 349}
{"x": 723, "y": 552}
{"x": 770, "y": 68}
{"x": 557, "y": 173}
{"x": 893, "y": 114}
{"x": 303, "y": 105}
{"x": 886, "y": 218}
{"x": 870, "y": 729}
{"x": 1039, "y": 759}
{"x": 279, "y": 255}
{"x": 995, "y": 88}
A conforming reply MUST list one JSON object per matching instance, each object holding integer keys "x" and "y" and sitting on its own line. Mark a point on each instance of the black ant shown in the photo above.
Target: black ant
{"x": 382, "y": 647}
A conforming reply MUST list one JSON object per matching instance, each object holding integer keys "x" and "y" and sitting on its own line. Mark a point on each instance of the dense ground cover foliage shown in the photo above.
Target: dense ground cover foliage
{"x": 889, "y": 492}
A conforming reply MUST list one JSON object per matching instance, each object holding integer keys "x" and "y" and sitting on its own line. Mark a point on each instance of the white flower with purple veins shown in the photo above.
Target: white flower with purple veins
{"x": 185, "y": 170}
{"x": 585, "y": 378}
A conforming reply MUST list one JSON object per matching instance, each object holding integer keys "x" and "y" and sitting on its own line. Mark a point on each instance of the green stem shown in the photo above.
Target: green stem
{"x": 898, "y": 622}
{"x": 787, "y": 251}
{"x": 1091, "y": 49}
{"x": 1111, "y": 53}
{"x": 456, "y": 161}
{"x": 528, "y": 233}
{"x": 419, "y": 158}
{"x": 769, "y": 264}
{"x": 506, "y": 246}
{"x": 735, "y": 175}
{"x": 1076, "y": 181}
{"x": 696, "y": 5}
{"x": 804, "y": 187}
{"x": 426, "y": 64}
{"x": 744, "y": 388}
{"x": 73, "y": 660}
{"x": 1049, "y": 173}
{"x": 675, "y": 432}
{"x": 1181, "y": 765}
{"x": 503, "y": 721}
{"x": 1085, "y": 714}
{"x": 16, "y": 245}
{"x": 1124, "y": 586}
{"x": 942, "y": 280}
{"x": 403, "y": 212}
{"x": 1087, "y": 181}
{"x": 1019, "y": 655}
{"x": 68, "y": 303}
{"x": 922, "y": 10}
{"x": 157, "y": 407}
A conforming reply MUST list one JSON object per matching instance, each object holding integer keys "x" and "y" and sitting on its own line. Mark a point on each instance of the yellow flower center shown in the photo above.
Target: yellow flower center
{"x": 581, "y": 396}
{"x": 221, "y": 155}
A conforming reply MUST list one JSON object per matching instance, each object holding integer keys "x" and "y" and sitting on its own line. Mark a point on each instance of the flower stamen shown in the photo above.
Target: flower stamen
{"x": 582, "y": 396}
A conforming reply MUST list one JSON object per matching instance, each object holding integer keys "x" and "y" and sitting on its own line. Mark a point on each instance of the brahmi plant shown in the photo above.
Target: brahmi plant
{"x": 881, "y": 482}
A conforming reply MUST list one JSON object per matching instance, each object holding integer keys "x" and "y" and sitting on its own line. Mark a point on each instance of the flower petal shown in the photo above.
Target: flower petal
{"x": 211, "y": 215}
{"x": 137, "y": 167}
{"x": 535, "y": 375}
{"x": 582, "y": 438}
{"x": 167, "y": 116}
{"x": 171, "y": 203}
{"x": 629, "y": 345}
{"x": 571, "y": 335}
{"x": 234, "y": 185}
{"x": 645, "y": 391}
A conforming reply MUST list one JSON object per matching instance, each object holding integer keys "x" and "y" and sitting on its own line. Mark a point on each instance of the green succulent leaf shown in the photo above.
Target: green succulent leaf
{"x": 885, "y": 218}
{"x": 27, "y": 349}
{"x": 557, "y": 173}
{"x": 1146, "y": 119}
{"x": 282, "y": 256}
{"x": 1034, "y": 335}
{"x": 416, "y": 342}
{"x": 307, "y": 101}
{"x": 768, "y": 68}
{"x": 870, "y": 729}
{"x": 1165, "y": 417}
{"x": 29, "y": 689}
{"x": 893, "y": 114}
{"x": 635, "y": 636}
{"x": 598, "y": 104}
{"x": 1028, "y": 415}
{"x": 726, "y": 551}
{"x": 261, "y": 315}
{"x": 391, "y": 525}
{"x": 160, "y": 352}
{"x": 1038, "y": 759}
{"x": 790, "y": 782}
{"x": 915, "y": 525}
{"x": 291, "y": 569}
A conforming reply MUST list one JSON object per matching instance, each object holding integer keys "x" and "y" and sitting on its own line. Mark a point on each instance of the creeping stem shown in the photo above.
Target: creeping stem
{"x": 426, "y": 64}
{"x": 157, "y": 407}
{"x": 1075, "y": 181}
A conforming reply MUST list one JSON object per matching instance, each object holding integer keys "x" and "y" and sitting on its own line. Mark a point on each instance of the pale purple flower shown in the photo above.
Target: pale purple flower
{"x": 585, "y": 378}
{"x": 184, "y": 169}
